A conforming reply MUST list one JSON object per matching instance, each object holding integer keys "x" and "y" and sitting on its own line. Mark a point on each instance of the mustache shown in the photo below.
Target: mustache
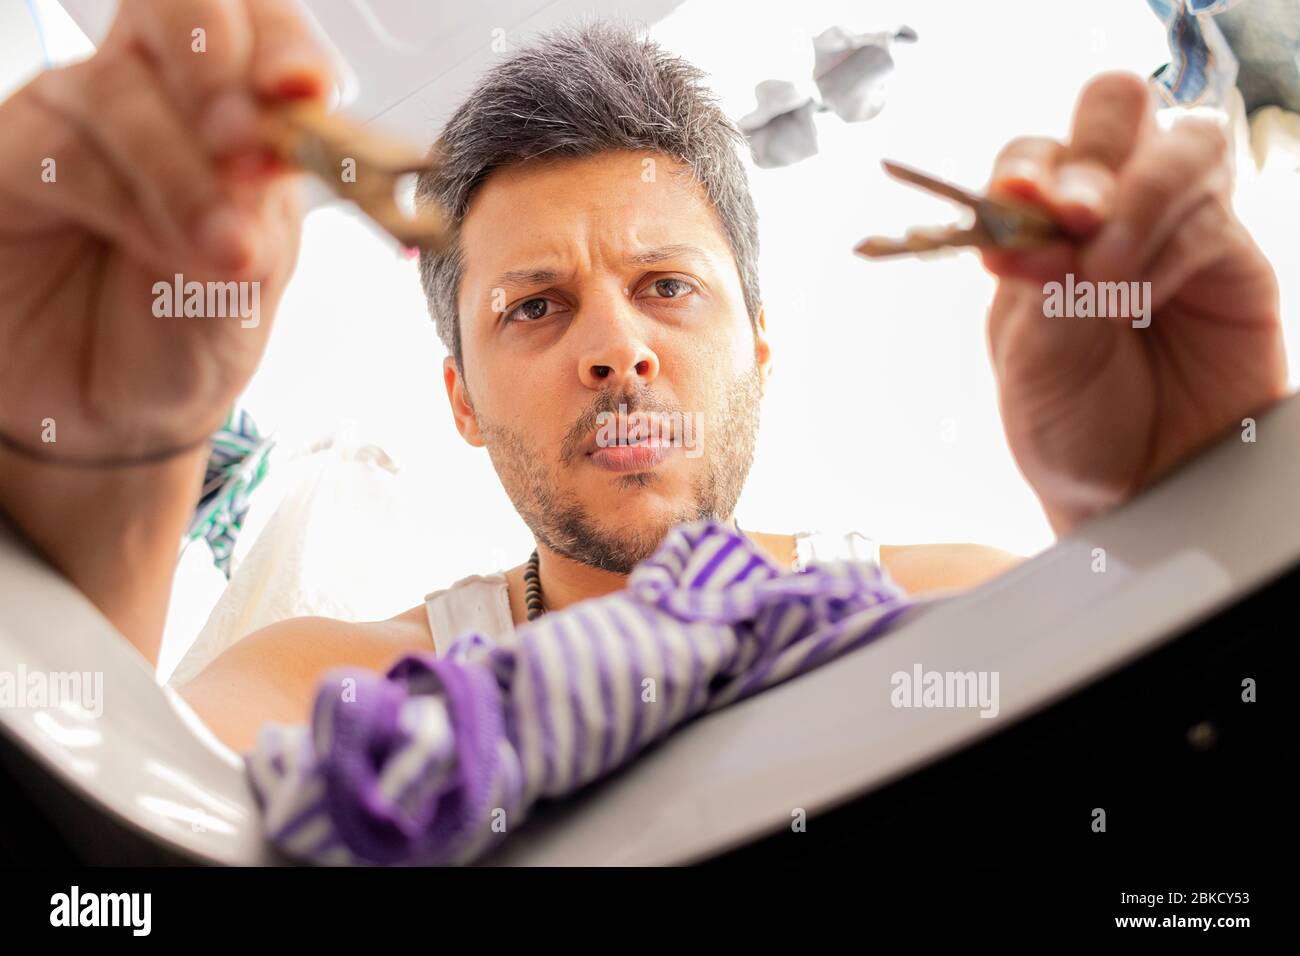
{"x": 636, "y": 398}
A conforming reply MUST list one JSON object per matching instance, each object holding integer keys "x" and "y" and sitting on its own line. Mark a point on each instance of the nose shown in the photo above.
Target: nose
{"x": 616, "y": 354}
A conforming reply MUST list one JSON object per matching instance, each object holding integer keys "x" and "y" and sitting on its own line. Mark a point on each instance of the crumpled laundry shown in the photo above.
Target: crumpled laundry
{"x": 851, "y": 68}
{"x": 1219, "y": 44}
{"x": 849, "y": 71}
{"x": 440, "y": 759}
{"x": 780, "y": 130}
{"x": 1265, "y": 39}
{"x": 1275, "y": 138}
{"x": 237, "y": 462}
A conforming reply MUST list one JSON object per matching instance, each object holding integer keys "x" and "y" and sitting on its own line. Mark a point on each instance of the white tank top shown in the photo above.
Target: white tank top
{"x": 481, "y": 602}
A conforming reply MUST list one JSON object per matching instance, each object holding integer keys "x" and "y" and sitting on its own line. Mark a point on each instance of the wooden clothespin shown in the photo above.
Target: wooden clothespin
{"x": 304, "y": 135}
{"x": 1000, "y": 223}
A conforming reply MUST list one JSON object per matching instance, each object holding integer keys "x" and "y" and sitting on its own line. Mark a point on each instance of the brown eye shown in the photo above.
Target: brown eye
{"x": 530, "y": 310}
{"x": 671, "y": 288}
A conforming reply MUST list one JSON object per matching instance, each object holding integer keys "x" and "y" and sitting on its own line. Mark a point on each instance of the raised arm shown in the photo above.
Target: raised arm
{"x": 121, "y": 177}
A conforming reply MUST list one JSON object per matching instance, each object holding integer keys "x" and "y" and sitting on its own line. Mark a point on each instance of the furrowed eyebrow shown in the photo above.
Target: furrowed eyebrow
{"x": 650, "y": 257}
{"x": 677, "y": 251}
{"x": 526, "y": 277}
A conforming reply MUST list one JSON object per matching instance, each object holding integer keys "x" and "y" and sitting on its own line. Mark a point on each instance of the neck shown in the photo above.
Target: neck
{"x": 565, "y": 581}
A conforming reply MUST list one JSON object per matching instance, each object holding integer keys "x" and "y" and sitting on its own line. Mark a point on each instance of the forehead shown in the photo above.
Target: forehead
{"x": 608, "y": 204}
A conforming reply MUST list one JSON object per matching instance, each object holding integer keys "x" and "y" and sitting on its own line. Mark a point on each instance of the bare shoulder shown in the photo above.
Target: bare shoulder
{"x": 917, "y": 567}
{"x": 939, "y": 567}
{"x": 272, "y": 674}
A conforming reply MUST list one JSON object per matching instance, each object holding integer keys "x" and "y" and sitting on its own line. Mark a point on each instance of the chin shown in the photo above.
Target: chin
{"x": 644, "y": 514}
{"x": 641, "y": 499}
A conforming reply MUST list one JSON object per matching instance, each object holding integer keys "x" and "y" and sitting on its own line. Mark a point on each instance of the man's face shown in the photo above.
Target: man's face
{"x": 591, "y": 284}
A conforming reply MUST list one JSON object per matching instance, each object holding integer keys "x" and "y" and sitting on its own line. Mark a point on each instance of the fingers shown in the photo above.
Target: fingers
{"x": 1113, "y": 116}
{"x": 56, "y": 177}
{"x": 1083, "y": 194}
{"x": 1075, "y": 182}
{"x": 1026, "y": 170}
{"x": 159, "y": 130}
{"x": 1201, "y": 238}
{"x": 287, "y": 62}
{"x": 217, "y": 58}
{"x": 129, "y": 127}
{"x": 1033, "y": 265}
{"x": 200, "y": 47}
{"x": 1024, "y": 167}
{"x": 1170, "y": 175}
{"x": 1077, "y": 195}
{"x": 1118, "y": 187}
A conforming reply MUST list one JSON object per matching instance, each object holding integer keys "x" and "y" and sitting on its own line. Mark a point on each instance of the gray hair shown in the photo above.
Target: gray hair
{"x": 577, "y": 92}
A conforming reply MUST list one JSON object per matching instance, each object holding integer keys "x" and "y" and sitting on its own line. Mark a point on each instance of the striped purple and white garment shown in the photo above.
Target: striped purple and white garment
{"x": 438, "y": 760}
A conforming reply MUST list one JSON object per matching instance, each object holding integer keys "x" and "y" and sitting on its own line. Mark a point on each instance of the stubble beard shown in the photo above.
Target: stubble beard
{"x": 561, "y": 522}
